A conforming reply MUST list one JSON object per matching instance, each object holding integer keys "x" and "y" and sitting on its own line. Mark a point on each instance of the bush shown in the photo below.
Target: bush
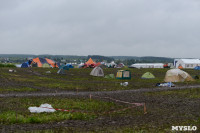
{"x": 7, "y": 65}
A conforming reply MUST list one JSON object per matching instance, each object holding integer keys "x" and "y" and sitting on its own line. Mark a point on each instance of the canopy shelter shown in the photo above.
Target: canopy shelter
{"x": 123, "y": 74}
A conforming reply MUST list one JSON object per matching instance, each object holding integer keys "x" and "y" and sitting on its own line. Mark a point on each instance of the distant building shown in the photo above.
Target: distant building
{"x": 186, "y": 63}
{"x": 147, "y": 65}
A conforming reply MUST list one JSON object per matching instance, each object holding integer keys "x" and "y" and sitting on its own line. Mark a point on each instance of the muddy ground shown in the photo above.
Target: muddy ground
{"x": 163, "y": 111}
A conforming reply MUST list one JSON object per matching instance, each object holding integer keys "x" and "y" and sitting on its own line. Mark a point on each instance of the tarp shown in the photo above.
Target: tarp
{"x": 148, "y": 75}
{"x": 43, "y": 108}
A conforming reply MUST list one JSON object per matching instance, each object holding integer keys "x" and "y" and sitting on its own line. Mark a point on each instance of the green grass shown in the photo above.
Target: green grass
{"x": 81, "y": 79}
{"x": 85, "y": 109}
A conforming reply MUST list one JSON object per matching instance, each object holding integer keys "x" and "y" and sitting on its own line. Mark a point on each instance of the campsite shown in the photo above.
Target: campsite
{"x": 96, "y": 103}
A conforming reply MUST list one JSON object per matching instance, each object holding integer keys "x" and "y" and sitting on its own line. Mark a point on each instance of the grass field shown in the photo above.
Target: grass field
{"x": 165, "y": 108}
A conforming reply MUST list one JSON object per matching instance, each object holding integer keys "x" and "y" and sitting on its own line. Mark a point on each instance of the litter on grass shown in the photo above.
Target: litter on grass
{"x": 43, "y": 108}
{"x": 11, "y": 70}
{"x": 48, "y": 72}
{"x": 169, "y": 84}
{"x": 124, "y": 84}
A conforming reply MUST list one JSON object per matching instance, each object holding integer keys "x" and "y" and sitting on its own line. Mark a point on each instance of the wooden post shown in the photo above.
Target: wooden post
{"x": 90, "y": 97}
{"x": 77, "y": 90}
{"x": 145, "y": 109}
{"x": 16, "y": 116}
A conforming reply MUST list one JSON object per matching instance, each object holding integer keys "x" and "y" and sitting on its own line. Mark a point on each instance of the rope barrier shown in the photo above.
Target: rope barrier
{"x": 136, "y": 104}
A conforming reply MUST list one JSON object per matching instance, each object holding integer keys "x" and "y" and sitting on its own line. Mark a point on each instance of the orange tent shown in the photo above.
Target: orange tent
{"x": 180, "y": 67}
{"x": 41, "y": 61}
{"x": 90, "y": 61}
{"x": 51, "y": 62}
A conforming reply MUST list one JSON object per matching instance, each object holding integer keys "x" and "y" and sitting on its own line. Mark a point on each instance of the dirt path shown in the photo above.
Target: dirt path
{"x": 86, "y": 93}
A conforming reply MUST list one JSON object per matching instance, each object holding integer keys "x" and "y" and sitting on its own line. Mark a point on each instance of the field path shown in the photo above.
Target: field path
{"x": 86, "y": 93}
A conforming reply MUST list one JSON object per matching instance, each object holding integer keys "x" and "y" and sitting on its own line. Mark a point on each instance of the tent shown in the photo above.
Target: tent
{"x": 69, "y": 66}
{"x": 97, "y": 71}
{"x": 120, "y": 65}
{"x": 197, "y": 68}
{"x": 61, "y": 71}
{"x": 81, "y": 65}
{"x": 177, "y": 75}
{"x": 148, "y": 75}
{"x": 39, "y": 62}
{"x": 66, "y": 67}
{"x": 180, "y": 67}
{"x": 46, "y": 65}
{"x": 90, "y": 63}
{"x": 24, "y": 65}
{"x": 123, "y": 74}
{"x": 112, "y": 64}
{"x": 110, "y": 76}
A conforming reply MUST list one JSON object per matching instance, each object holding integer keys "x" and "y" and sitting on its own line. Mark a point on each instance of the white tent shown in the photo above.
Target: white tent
{"x": 186, "y": 63}
{"x": 147, "y": 65}
{"x": 97, "y": 71}
{"x": 177, "y": 75}
{"x": 112, "y": 64}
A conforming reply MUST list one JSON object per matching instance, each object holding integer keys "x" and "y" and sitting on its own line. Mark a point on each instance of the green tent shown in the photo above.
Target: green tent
{"x": 148, "y": 75}
{"x": 46, "y": 65}
{"x": 110, "y": 76}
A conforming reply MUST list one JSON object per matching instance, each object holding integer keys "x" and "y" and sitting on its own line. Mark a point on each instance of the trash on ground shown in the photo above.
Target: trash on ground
{"x": 48, "y": 72}
{"x": 11, "y": 70}
{"x": 168, "y": 84}
{"x": 124, "y": 84}
{"x": 43, "y": 108}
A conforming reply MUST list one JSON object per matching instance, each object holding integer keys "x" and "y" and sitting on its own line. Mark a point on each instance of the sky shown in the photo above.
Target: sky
{"x": 167, "y": 28}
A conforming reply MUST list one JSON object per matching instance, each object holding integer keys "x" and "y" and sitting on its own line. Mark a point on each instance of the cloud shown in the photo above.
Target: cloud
{"x": 131, "y": 27}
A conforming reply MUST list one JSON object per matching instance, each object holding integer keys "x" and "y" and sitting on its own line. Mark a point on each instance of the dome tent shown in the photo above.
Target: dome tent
{"x": 25, "y": 65}
{"x": 148, "y": 75}
{"x": 97, "y": 71}
{"x": 177, "y": 75}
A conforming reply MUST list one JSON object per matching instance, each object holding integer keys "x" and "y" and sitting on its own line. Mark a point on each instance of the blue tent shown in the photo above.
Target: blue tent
{"x": 24, "y": 65}
{"x": 197, "y": 68}
{"x": 66, "y": 67}
{"x": 69, "y": 66}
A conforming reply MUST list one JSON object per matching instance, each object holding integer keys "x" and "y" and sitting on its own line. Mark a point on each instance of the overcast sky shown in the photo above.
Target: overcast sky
{"x": 168, "y": 28}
